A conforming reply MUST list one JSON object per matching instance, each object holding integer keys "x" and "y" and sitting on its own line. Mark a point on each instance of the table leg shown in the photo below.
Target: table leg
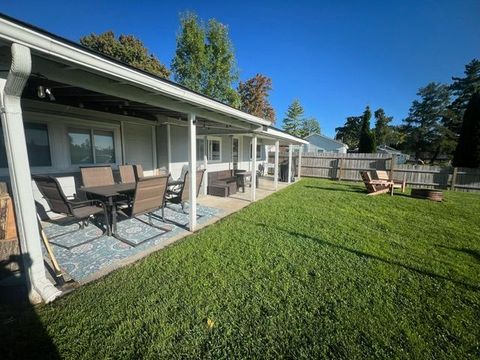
{"x": 113, "y": 217}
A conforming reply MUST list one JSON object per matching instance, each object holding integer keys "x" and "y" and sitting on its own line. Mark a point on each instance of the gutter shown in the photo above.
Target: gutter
{"x": 11, "y": 87}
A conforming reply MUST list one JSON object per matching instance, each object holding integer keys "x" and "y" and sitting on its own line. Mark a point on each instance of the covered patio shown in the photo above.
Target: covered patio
{"x": 54, "y": 92}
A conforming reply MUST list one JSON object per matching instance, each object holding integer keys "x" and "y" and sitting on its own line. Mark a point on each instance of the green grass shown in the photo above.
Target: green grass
{"x": 318, "y": 270}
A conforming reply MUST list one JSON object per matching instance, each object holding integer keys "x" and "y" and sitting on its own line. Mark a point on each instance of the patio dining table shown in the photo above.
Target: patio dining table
{"x": 110, "y": 193}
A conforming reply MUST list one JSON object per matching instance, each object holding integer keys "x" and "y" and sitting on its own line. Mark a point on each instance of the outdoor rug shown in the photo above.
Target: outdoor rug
{"x": 83, "y": 261}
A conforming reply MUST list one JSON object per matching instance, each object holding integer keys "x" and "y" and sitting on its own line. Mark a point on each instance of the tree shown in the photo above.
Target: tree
{"x": 366, "y": 143}
{"x": 467, "y": 153}
{"x": 189, "y": 63}
{"x": 425, "y": 125}
{"x": 349, "y": 133}
{"x": 310, "y": 126}
{"x": 462, "y": 90}
{"x": 127, "y": 49}
{"x": 221, "y": 65}
{"x": 254, "y": 95}
{"x": 204, "y": 59}
{"x": 293, "y": 121}
{"x": 383, "y": 130}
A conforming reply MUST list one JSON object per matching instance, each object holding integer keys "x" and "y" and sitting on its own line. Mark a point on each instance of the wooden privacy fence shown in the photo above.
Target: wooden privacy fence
{"x": 348, "y": 167}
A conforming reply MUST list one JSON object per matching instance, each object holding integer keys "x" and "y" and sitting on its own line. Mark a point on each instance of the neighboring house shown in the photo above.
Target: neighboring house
{"x": 401, "y": 157}
{"x": 65, "y": 106}
{"x": 318, "y": 143}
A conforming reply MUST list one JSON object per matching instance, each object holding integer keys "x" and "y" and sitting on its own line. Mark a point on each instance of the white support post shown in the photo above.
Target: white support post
{"x": 169, "y": 151}
{"x": 290, "y": 151}
{"x": 254, "y": 168}
{"x": 299, "y": 171}
{"x": 205, "y": 165}
{"x": 192, "y": 171}
{"x": 275, "y": 170}
{"x": 11, "y": 87}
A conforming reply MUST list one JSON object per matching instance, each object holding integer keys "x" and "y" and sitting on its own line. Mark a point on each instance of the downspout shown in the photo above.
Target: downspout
{"x": 39, "y": 287}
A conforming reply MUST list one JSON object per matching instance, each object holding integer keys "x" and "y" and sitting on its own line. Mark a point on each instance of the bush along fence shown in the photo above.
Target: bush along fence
{"x": 348, "y": 166}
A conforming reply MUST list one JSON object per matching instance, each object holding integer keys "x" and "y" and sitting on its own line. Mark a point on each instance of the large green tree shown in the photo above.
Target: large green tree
{"x": 293, "y": 121}
{"x": 189, "y": 64}
{"x": 425, "y": 130}
{"x": 467, "y": 153}
{"x": 366, "y": 143}
{"x": 254, "y": 95}
{"x": 127, "y": 49}
{"x": 349, "y": 133}
{"x": 204, "y": 59}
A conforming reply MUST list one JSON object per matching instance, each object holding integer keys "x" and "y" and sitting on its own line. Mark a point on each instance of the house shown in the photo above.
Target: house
{"x": 401, "y": 157}
{"x": 318, "y": 143}
{"x": 64, "y": 106}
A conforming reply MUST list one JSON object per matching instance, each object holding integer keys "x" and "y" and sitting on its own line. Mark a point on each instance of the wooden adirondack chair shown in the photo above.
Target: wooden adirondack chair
{"x": 383, "y": 175}
{"x": 376, "y": 187}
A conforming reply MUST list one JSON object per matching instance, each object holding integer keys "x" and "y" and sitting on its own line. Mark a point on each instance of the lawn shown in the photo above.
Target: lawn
{"x": 318, "y": 270}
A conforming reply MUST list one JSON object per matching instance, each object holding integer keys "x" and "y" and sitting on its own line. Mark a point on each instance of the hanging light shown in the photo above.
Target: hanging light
{"x": 41, "y": 92}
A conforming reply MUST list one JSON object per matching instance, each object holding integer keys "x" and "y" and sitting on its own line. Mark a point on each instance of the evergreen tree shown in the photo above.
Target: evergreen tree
{"x": 366, "y": 143}
{"x": 349, "y": 133}
{"x": 204, "y": 59}
{"x": 462, "y": 90}
{"x": 254, "y": 95}
{"x": 467, "y": 153}
{"x": 424, "y": 126}
{"x": 310, "y": 126}
{"x": 127, "y": 49}
{"x": 293, "y": 121}
{"x": 383, "y": 130}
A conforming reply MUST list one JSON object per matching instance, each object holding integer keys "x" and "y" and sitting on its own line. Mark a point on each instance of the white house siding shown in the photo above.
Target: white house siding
{"x": 139, "y": 146}
{"x": 162, "y": 147}
{"x": 320, "y": 143}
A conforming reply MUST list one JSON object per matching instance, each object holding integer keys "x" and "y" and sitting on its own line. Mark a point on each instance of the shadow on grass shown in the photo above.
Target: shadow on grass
{"x": 22, "y": 334}
{"x": 473, "y": 253}
{"x": 344, "y": 188}
{"x": 374, "y": 257}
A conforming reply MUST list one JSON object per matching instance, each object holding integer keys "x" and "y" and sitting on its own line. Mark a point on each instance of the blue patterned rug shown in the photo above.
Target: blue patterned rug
{"x": 85, "y": 260}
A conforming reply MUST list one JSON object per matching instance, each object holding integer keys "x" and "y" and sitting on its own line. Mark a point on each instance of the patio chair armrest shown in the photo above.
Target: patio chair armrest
{"x": 380, "y": 182}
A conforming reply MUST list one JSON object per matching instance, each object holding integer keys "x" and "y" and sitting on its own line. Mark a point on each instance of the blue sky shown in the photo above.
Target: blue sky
{"x": 334, "y": 56}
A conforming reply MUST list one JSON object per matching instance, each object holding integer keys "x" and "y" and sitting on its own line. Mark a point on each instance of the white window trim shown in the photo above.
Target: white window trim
{"x": 210, "y": 138}
{"x": 91, "y": 130}
{"x": 251, "y": 151}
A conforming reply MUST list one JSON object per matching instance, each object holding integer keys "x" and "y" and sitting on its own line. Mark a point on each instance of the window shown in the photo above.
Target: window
{"x": 214, "y": 148}
{"x": 259, "y": 151}
{"x": 38, "y": 145}
{"x": 89, "y": 146}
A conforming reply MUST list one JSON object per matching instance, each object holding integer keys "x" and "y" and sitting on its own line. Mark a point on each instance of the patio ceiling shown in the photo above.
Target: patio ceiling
{"x": 78, "y": 97}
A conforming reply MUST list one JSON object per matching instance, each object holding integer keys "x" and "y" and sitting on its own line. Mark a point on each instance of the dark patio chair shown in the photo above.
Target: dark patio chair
{"x": 149, "y": 197}
{"x": 81, "y": 211}
{"x": 97, "y": 176}
{"x": 127, "y": 174}
{"x": 183, "y": 194}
